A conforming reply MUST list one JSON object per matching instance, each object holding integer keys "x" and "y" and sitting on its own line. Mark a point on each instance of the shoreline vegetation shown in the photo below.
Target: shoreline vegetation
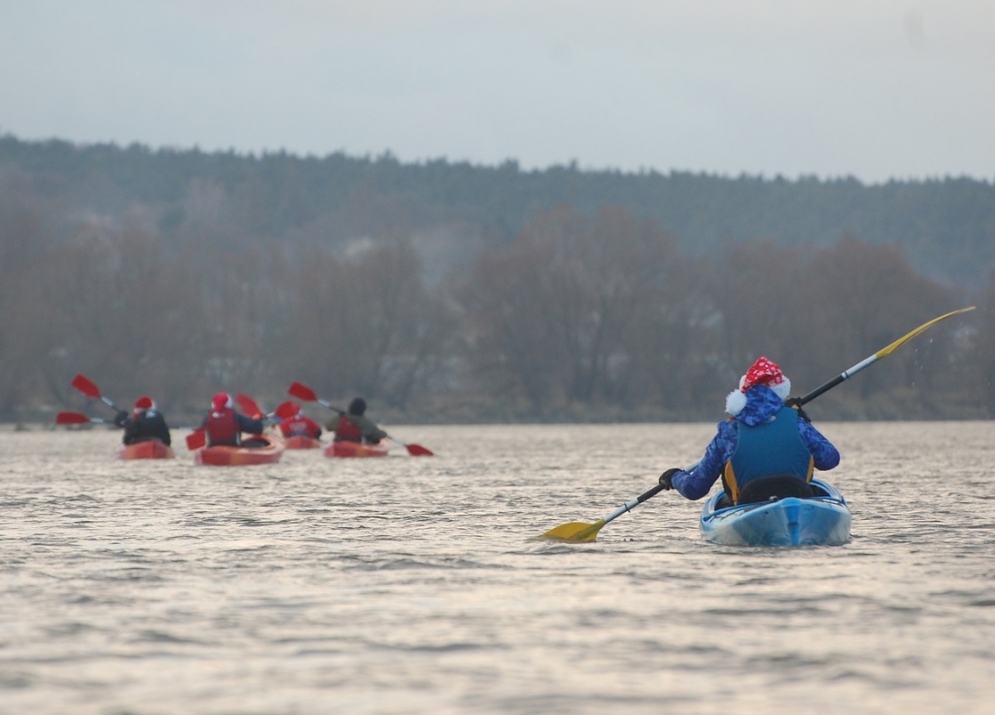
{"x": 446, "y": 293}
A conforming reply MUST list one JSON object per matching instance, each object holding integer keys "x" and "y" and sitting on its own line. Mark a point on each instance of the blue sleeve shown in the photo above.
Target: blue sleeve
{"x": 698, "y": 482}
{"x": 824, "y": 454}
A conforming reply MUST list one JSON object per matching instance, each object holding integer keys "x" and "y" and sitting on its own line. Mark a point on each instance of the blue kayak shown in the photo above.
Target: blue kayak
{"x": 820, "y": 520}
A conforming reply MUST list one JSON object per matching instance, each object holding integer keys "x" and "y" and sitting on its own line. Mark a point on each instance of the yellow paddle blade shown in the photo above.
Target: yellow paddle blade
{"x": 575, "y": 531}
{"x": 905, "y": 338}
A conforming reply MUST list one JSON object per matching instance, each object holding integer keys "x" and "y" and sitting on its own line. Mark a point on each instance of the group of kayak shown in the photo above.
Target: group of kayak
{"x": 264, "y": 449}
{"x": 218, "y": 441}
{"x": 227, "y": 437}
{"x": 765, "y": 454}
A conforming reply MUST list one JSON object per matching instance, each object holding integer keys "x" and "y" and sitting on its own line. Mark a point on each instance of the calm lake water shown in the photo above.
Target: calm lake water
{"x": 412, "y": 585}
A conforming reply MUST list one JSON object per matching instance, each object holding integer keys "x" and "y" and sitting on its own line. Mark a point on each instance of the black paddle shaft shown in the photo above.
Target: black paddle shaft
{"x": 649, "y": 494}
{"x": 819, "y": 390}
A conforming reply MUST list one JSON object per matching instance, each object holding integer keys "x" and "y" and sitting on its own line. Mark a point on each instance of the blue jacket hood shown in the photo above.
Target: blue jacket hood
{"x": 761, "y": 403}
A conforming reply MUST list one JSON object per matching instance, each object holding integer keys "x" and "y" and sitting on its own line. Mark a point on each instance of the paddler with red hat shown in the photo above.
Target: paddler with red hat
{"x": 766, "y": 448}
{"x": 224, "y": 426}
{"x": 144, "y": 423}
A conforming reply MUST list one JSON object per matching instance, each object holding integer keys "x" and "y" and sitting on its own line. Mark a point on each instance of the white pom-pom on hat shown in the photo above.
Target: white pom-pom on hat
{"x": 735, "y": 402}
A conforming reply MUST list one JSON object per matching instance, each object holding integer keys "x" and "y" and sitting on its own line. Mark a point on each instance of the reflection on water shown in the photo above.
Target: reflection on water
{"x": 408, "y": 585}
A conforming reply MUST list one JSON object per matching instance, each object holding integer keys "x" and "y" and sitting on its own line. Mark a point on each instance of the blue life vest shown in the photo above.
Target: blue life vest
{"x": 768, "y": 449}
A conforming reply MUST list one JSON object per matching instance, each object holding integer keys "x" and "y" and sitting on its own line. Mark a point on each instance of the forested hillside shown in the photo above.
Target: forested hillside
{"x": 455, "y": 292}
{"x": 946, "y": 226}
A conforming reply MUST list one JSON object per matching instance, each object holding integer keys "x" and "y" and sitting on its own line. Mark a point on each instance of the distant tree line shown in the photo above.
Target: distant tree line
{"x": 155, "y": 282}
{"x": 578, "y": 318}
{"x": 947, "y": 226}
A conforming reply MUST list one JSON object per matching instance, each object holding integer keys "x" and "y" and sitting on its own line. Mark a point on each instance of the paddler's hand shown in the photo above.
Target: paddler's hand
{"x": 120, "y": 418}
{"x": 667, "y": 477}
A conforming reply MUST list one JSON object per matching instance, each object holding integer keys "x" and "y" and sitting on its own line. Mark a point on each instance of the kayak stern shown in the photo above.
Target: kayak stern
{"x": 822, "y": 520}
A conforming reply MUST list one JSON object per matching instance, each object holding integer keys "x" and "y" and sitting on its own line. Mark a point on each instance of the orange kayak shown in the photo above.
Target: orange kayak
{"x": 356, "y": 449}
{"x": 225, "y": 456}
{"x": 149, "y": 449}
{"x": 299, "y": 441}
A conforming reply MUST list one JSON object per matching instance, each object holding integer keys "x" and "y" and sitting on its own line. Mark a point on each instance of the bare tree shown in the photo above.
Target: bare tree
{"x": 755, "y": 296}
{"x": 863, "y": 297}
{"x": 512, "y": 330}
{"x": 554, "y": 315}
{"x": 817, "y": 314}
{"x": 365, "y": 324}
{"x": 977, "y": 369}
{"x": 28, "y": 336}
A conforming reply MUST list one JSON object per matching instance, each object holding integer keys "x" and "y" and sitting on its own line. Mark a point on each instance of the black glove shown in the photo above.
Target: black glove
{"x": 120, "y": 418}
{"x": 667, "y": 477}
{"x": 797, "y": 404}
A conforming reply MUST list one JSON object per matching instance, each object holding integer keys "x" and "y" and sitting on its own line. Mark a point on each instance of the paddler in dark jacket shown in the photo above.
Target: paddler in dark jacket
{"x": 766, "y": 447}
{"x": 353, "y": 426}
{"x": 144, "y": 423}
{"x": 224, "y": 426}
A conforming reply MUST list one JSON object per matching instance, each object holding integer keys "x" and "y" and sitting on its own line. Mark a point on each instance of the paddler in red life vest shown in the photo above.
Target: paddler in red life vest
{"x": 144, "y": 423}
{"x": 353, "y": 426}
{"x": 300, "y": 425}
{"x": 766, "y": 448}
{"x": 224, "y": 426}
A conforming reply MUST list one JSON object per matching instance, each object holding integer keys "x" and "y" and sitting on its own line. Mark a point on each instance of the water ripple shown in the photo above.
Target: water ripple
{"x": 413, "y": 585}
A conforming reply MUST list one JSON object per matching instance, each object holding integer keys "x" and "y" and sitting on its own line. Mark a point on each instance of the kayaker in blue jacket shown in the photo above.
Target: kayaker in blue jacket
{"x": 766, "y": 447}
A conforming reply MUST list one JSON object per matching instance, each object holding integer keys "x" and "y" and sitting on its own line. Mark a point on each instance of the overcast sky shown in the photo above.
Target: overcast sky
{"x": 875, "y": 89}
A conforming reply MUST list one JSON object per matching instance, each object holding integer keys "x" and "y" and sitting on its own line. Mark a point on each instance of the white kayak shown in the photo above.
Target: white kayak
{"x": 820, "y": 520}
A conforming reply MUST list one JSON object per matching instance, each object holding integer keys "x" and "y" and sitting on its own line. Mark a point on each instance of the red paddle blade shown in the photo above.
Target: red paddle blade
{"x": 196, "y": 440}
{"x": 416, "y": 450}
{"x": 302, "y": 392}
{"x": 71, "y": 418}
{"x": 248, "y": 405}
{"x": 86, "y": 386}
{"x": 286, "y": 410}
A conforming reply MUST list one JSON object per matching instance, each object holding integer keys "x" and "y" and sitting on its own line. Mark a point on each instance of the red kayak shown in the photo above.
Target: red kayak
{"x": 301, "y": 441}
{"x": 225, "y": 456}
{"x": 356, "y": 449}
{"x": 149, "y": 449}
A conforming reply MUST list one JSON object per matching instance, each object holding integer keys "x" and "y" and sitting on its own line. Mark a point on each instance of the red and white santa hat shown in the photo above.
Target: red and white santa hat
{"x": 144, "y": 403}
{"x": 221, "y": 400}
{"x": 763, "y": 372}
